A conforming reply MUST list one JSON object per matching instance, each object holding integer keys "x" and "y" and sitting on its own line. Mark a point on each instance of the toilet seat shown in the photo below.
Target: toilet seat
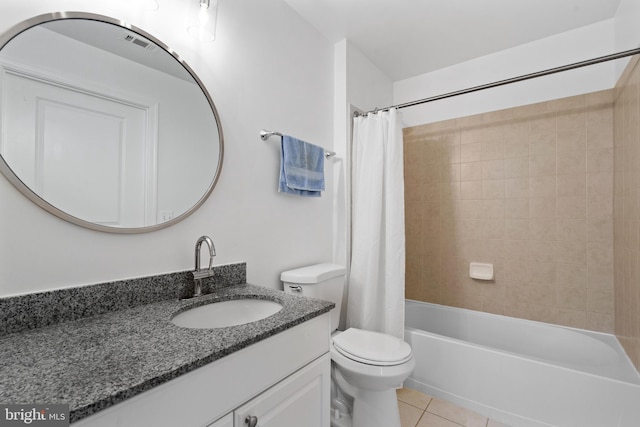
{"x": 372, "y": 348}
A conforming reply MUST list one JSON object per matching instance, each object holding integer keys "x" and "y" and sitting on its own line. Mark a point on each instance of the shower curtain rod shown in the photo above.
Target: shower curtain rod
{"x": 568, "y": 67}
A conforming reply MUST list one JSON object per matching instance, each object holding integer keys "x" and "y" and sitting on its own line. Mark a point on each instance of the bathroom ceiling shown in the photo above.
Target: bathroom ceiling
{"x": 405, "y": 38}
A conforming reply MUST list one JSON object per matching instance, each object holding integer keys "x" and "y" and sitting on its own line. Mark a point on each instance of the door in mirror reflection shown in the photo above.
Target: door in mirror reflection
{"x": 90, "y": 153}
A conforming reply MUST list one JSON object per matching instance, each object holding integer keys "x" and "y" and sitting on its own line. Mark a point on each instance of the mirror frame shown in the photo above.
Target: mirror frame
{"x": 17, "y": 29}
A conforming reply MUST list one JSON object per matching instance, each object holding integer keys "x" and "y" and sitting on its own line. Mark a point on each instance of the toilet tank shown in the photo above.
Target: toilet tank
{"x": 323, "y": 281}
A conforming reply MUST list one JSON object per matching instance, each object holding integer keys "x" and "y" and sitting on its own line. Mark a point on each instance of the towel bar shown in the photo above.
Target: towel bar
{"x": 266, "y": 134}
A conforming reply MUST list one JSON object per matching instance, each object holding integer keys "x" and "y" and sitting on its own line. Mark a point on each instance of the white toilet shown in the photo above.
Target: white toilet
{"x": 366, "y": 366}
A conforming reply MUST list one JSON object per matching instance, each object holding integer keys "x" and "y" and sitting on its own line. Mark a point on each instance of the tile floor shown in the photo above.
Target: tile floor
{"x": 421, "y": 410}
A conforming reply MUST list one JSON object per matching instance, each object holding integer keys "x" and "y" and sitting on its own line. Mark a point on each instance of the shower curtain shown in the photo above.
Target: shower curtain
{"x": 376, "y": 280}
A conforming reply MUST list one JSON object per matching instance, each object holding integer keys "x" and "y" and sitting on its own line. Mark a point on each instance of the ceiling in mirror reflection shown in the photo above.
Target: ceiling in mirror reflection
{"x": 103, "y": 127}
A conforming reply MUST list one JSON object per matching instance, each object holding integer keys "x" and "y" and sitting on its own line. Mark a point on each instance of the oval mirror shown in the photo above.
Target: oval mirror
{"x": 103, "y": 125}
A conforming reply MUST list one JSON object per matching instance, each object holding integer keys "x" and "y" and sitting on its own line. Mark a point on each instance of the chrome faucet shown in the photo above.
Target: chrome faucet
{"x": 199, "y": 274}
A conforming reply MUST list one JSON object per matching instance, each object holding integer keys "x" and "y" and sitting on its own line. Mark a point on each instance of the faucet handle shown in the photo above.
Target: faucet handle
{"x": 212, "y": 252}
{"x": 202, "y": 274}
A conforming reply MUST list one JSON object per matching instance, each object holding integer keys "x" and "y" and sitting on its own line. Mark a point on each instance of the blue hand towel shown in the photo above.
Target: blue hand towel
{"x": 301, "y": 168}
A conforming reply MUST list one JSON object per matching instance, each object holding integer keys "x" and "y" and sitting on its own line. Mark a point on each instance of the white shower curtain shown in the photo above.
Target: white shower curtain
{"x": 376, "y": 281}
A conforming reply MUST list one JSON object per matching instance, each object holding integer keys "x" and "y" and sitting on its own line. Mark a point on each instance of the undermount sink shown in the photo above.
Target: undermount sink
{"x": 226, "y": 313}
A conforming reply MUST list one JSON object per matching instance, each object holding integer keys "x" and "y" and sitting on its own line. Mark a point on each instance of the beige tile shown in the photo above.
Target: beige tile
{"x": 572, "y": 318}
{"x": 542, "y": 229}
{"x": 571, "y": 275}
{"x": 493, "y": 189}
{"x": 472, "y": 152}
{"x": 492, "y": 229}
{"x": 409, "y": 415}
{"x": 493, "y": 169}
{"x": 600, "y": 206}
{"x": 600, "y": 322}
{"x": 536, "y": 197}
{"x": 574, "y": 120}
{"x": 539, "y": 128}
{"x": 599, "y": 183}
{"x": 516, "y": 167}
{"x": 471, "y": 190}
{"x": 450, "y": 191}
{"x": 600, "y": 229}
{"x": 571, "y": 152}
{"x": 471, "y": 171}
{"x": 517, "y": 229}
{"x": 413, "y": 397}
{"x": 542, "y": 186}
{"x": 450, "y": 153}
{"x": 599, "y": 128}
{"x": 599, "y": 255}
{"x": 516, "y": 188}
{"x": 543, "y": 273}
{"x": 492, "y": 150}
{"x": 571, "y": 252}
{"x": 600, "y": 99}
{"x": 516, "y": 208}
{"x": 600, "y": 278}
{"x": 454, "y": 172}
{"x": 543, "y": 313}
{"x": 493, "y": 209}
{"x": 572, "y": 229}
{"x": 574, "y": 207}
{"x": 600, "y": 301}
{"x": 456, "y": 414}
{"x": 516, "y": 142}
{"x": 542, "y": 250}
{"x": 600, "y": 160}
{"x": 571, "y": 297}
{"x": 470, "y": 209}
{"x": 515, "y": 250}
{"x": 571, "y": 185}
{"x": 542, "y": 207}
{"x": 431, "y": 420}
{"x": 542, "y": 165}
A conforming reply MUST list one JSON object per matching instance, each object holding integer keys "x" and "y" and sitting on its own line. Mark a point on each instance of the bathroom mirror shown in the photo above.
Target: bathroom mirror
{"x": 103, "y": 125}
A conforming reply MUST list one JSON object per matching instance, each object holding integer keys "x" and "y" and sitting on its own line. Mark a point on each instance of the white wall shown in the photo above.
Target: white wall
{"x": 627, "y": 29}
{"x": 267, "y": 68}
{"x": 581, "y": 44}
{"x": 357, "y": 83}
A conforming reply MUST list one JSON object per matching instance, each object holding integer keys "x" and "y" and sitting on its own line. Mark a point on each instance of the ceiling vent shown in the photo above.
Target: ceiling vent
{"x": 138, "y": 41}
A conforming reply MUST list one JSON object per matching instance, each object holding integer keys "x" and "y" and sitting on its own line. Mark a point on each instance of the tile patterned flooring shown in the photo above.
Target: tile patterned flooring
{"x": 421, "y": 410}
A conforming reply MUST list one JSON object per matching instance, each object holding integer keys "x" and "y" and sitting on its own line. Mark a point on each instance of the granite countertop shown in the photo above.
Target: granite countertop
{"x": 95, "y": 362}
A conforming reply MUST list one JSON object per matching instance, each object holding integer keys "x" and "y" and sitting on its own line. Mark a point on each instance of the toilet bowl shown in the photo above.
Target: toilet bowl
{"x": 366, "y": 366}
{"x": 369, "y": 372}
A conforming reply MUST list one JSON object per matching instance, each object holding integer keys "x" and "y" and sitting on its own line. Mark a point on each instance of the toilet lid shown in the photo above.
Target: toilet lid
{"x": 373, "y": 348}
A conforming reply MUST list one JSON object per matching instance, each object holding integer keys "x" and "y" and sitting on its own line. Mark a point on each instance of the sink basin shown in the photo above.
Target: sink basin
{"x": 226, "y": 313}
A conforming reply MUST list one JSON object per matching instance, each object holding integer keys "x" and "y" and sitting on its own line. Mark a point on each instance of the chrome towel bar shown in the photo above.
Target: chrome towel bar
{"x": 266, "y": 134}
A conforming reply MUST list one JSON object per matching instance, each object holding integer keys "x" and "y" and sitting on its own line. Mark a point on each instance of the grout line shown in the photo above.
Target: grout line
{"x": 422, "y": 415}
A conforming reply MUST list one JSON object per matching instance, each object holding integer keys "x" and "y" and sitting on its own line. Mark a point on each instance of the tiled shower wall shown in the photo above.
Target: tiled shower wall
{"x": 529, "y": 189}
{"x": 627, "y": 211}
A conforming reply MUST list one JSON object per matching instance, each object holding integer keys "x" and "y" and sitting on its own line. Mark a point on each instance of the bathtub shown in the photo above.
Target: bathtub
{"x": 520, "y": 372}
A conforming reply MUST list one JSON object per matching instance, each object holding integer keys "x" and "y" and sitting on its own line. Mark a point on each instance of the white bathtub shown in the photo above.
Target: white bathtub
{"x": 521, "y": 372}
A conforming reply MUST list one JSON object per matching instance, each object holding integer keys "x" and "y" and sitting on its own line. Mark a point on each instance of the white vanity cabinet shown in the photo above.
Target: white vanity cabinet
{"x": 300, "y": 400}
{"x": 226, "y": 421}
{"x": 284, "y": 380}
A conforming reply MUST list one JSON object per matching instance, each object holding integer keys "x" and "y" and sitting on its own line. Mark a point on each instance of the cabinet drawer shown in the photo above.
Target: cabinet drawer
{"x": 300, "y": 400}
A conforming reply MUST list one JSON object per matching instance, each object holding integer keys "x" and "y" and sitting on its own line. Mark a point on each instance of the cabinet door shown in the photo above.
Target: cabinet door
{"x": 301, "y": 399}
{"x": 226, "y": 421}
